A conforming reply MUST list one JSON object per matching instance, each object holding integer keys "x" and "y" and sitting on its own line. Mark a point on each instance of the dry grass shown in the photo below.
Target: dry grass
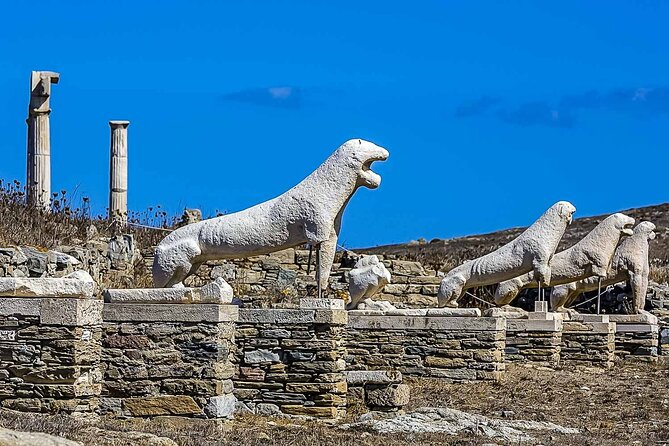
{"x": 628, "y": 405}
{"x": 69, "y": 222}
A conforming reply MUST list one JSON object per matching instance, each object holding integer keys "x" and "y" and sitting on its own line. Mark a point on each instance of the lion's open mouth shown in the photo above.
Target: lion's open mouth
{"x": 627, "y": 228}
{"x": 371, "y": 178}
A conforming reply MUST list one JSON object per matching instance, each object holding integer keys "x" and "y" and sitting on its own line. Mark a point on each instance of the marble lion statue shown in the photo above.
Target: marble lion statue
{"x": 367, "y": 278}
{"x": 630, "y": 263}
{"x": 530, "y": 251}
{"x": 591, "y": 256}
{"x": 310, "y": 212}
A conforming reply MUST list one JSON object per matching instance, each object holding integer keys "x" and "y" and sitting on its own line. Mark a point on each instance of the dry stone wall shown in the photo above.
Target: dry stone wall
{"x": 49, "y": 352}
{"x": 446, "y": 347}
{"x": 588, "y": 342}
{"x": 168, "y": 359}
{"x": 534, "y": 340}
{"x": 291, "y": 362}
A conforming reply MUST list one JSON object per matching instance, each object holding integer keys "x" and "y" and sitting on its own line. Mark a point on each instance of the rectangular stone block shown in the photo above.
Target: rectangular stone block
{"x": 321, "y": 304}
{"x": 361, "y": 377}
{"x": 272, "y": 316}
{"x": 11, "y": 306}
{"x": 164, "y": 295}
{"x": 129, "y": 312}
{"x": 644, "y": 318}
{"x": 336, "y": 317}
{"x": 636, "y": 328}
{"x": 46, "y": 287}
{"x": 426, "y": 323}
{"x": 71, "y": 312}
{"x": 513, "y": 325}
{"x": 454, "y": 312}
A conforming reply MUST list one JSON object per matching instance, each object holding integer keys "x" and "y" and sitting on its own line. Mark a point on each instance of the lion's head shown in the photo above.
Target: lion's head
{"x": 622, "y": 222}
{"x": 565, "y": 210}
{"x": 360, "y": 155}
{"x": 645, "y": 227}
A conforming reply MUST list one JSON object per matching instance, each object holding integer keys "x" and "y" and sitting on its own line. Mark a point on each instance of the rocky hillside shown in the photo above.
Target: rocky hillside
{"x": 446, "y": 254}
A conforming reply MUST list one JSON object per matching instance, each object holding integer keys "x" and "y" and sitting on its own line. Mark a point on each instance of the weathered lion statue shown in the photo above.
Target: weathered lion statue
{"x": 530, "y": 251}
{"x": 310, "y": 212}
{"x": 366, "y": 279}
{"x": 630, "y": 263}
{"x": 591, "y": 256}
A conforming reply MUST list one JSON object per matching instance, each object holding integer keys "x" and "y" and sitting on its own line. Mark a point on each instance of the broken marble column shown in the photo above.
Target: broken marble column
{"x": 118, "y": 172}
{"x": 38, "y": 170}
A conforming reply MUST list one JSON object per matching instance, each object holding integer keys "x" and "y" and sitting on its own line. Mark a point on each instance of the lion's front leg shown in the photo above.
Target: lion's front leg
{"x": 326, "y": 255}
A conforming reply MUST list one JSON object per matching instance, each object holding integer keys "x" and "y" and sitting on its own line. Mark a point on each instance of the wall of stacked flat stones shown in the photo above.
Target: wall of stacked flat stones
{"x": 535, "y": 341}
{"x": 663, "y": 333}
{"x": 591, "y": 344}
{"x": 637, "y": 342}
{"x": 291, "y": 362}
{"x": 46, "y": 365}
{"x": 165, "y": 368}
{"x": 455, "y": 349}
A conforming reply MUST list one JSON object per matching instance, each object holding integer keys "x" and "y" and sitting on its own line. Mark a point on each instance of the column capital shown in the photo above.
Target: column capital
{"x": 117, "y": 124}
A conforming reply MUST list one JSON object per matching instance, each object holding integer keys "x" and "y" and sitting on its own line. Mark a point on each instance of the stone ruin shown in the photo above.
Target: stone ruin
{"x": 201, "y": 344}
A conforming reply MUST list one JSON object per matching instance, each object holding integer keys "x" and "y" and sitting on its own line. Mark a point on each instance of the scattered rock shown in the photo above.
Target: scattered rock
{"x": 9, "y": 437}
{"x": 453, "y": 422}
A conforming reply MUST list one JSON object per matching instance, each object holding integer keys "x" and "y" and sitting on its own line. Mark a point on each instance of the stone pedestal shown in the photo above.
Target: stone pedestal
{"x": 535, "y": 340}
{"x": 38, "y": 168}
{"x": 291, "y": 362}
{"x": 453, "y": 345}
{"x": 167, "y": 358}
{"x": 636, "y": 336}
{"x": 49, "y": 346}
{"x": 118, "y": 171}
{"x": 588, "y": 340}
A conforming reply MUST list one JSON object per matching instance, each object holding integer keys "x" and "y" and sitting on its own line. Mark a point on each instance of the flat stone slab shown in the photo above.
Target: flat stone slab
{"x": 643, "y": 318}
{"x": 54, "y": 310}
{"x": 217, "y": 292}
{"x": 286, "y": 316}
{"x": 454, "y": 312}
{"x": 309, "y": 303}
{"x": 544, "y": 316}
{"x": 636, "y": 328}
{"x": 162, "y": 312}
{"x": 386, "y": 322}
{"x": 46, "y": 287}
{"x": 589, "y": 317}
{"x": 503, "y": 312}
{"x": 584, "y": 327}
{"x": 429, "y": 312}
{"x": 362, "y": 377}
{"x": 534, "y": 325}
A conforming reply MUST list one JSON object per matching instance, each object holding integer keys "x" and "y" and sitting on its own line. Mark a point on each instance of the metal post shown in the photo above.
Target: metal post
{"x": 599, "y": 296}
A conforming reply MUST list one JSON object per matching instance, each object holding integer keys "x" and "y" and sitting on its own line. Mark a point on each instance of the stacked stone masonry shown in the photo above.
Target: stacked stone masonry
{"x": 291, "y": 362}
{"x": 588, "y": 342}
{"x": 534, "y": 340}
{"x": 451, "y": 348}
{"x": 168, "y": 359}
{"x": 50, "y": 353}
{"x": 637, "y": 337}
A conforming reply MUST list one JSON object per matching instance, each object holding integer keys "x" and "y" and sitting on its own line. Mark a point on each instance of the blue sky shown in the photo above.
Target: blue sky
{"x": 491, "y": 110}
